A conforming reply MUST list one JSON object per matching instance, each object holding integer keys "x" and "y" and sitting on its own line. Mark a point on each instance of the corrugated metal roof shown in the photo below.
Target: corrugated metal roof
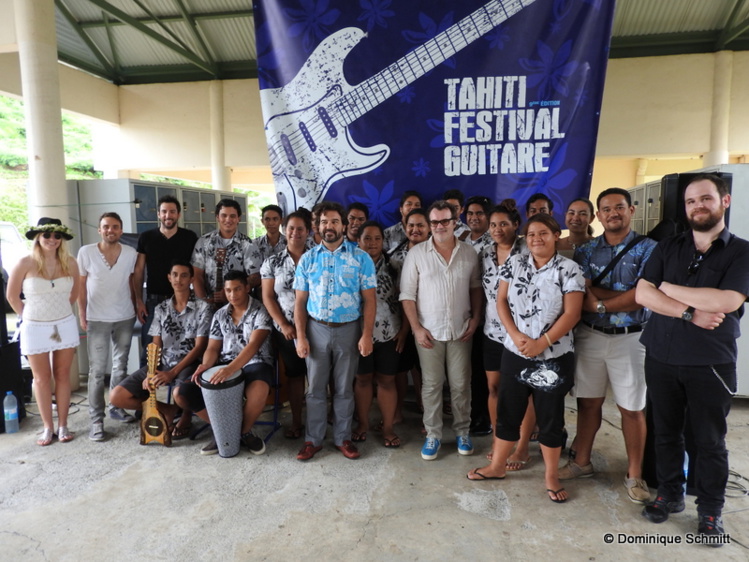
{"x": 139, "y": 41}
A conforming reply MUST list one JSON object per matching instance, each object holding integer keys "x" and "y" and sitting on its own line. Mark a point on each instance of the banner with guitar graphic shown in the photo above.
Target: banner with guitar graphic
{"x": 365, "y": 99}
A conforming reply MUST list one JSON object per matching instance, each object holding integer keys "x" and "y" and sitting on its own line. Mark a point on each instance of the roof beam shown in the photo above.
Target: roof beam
{"x": 161, "y": 24}
{"x": 193, "y": 27}
{"x": 68, "y": 15}
{"x": 733, "y": 29}
{"x": 113, "y": 48}
{"x": 125, "y": 18}
{"x": 170, "y": 18}
{"x": 663, "y": 44}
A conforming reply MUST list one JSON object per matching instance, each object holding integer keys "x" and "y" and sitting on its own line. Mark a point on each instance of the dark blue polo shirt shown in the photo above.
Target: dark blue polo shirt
{"x": 725, "y": 266}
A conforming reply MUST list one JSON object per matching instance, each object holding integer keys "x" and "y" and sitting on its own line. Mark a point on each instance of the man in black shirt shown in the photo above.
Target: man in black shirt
{"x": 695, "y": 284}
{"x": 157, "y": 249}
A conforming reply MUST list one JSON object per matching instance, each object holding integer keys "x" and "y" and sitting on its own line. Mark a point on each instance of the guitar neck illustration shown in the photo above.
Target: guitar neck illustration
{"x": 307, "y": 132}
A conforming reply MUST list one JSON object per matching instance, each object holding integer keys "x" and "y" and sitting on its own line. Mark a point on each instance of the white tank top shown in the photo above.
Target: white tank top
{"x": 47, "y": 300}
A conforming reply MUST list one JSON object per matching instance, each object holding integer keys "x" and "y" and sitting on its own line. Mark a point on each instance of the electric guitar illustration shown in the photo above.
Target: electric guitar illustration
{"x": 309, "y": 143}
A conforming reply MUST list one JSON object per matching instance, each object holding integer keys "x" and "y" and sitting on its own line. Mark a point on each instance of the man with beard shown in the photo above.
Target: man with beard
{"x": 695, "y": 284}
{"x": 334, "y": 315}
{"x": 607, "y": 341}
{"x": 441, "y": 296}
{"x": 107, "y": 314}
{"x": 157, "y": 249}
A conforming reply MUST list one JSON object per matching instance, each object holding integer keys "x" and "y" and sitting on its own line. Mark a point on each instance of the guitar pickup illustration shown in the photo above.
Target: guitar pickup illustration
{"x": 307, "y": 136}
{"x": 327, "y": 121}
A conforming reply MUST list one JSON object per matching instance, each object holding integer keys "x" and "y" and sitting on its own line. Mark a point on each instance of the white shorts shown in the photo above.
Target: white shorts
{"x": 616, "y": 359}
{"x": 43, "y": 337}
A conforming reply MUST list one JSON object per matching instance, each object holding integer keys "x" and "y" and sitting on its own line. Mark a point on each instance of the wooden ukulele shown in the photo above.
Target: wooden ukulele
{"x": 153, "y": 426}
{"x": 220, "y": 260}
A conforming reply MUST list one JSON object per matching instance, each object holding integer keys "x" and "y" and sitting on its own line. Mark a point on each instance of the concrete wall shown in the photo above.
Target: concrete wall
{"x": 655, "y": 119}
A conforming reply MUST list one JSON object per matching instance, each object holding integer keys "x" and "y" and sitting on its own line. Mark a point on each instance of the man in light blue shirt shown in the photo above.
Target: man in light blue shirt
{"x": 334, "y": 316}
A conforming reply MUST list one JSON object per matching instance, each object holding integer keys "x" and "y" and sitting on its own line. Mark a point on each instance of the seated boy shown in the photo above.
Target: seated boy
{"x": 239, "y": 341}
{"x": 180, "y": 327}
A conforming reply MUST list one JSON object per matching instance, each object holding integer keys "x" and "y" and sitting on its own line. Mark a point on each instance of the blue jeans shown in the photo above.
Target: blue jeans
{"x": 104, "y": 337}
{"x": 694, "y": 394}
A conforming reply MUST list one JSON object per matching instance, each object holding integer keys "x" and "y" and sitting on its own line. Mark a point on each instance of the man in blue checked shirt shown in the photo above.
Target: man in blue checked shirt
{"x": 334, "y": 316}
{"x": 607, "y": 340}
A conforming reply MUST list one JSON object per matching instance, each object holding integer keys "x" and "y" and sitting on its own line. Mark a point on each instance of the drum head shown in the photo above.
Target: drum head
{"x": 235, "y": 379}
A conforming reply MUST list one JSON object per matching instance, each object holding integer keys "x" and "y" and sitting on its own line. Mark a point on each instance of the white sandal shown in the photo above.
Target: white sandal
{"x": 64, "y": 435}
{"x": 45, "y": 437}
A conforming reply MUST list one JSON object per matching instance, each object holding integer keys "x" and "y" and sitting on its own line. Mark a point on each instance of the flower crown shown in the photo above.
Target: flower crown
{"x": 61, "y": 228}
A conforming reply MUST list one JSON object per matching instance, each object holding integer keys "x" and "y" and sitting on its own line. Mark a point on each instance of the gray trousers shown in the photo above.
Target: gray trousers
{"x": 333, "y": 353}
{"x": 451, "y": 359}
{"x": 103, "y": 337}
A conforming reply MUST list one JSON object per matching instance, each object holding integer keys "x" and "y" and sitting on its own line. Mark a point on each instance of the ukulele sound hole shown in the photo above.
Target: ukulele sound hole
{"x": 154, "y": 427}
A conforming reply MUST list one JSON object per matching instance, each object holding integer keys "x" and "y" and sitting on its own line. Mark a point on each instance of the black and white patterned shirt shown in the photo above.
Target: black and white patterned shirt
{"x": 241, "y": 255}
{"x": 281, "y": 268}
{"x": 481, "y": 242}
{"x": 388, "y": 314}
{"x": 178, "y": 330}
{"x": 266, "y": 249}
{"x": 393, "y": 236}
{"x": 536, "y": 298}
{"x": 236, "y": 336}
{"x": 398, "y": 255}
{"x": 493, "y": 328}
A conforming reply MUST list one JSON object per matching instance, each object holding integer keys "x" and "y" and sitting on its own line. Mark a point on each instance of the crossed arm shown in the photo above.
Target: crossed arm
{"x": 711, "y": 305}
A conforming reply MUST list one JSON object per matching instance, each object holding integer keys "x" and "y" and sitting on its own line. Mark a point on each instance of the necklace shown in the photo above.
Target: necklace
{"x": 49, "y": 277}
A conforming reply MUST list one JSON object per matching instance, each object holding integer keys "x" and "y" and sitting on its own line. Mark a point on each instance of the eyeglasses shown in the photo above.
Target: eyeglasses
{"x": 696, "y": 262}
{"x": 47, "y": 235}
{"x": 443, "y": 222}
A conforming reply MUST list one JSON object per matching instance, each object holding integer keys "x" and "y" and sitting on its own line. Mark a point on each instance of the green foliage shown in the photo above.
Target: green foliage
{"x": 12, "y": 134}
{"x": 13, "y": 204}
{"x": 78, "y": 145}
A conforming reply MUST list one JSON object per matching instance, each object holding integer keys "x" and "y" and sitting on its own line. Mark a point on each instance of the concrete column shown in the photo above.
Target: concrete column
{"x": 719, "y": 122}
{"x": 40, "y": 83}
{"x": 642, "y": 168}
{"x": 219, "y": 171}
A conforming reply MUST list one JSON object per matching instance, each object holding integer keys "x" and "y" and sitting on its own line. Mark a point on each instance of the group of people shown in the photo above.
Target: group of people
{"x": 510, "y": 318}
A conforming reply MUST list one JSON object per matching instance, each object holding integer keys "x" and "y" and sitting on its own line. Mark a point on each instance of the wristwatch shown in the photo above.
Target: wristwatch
{"x": 688, "y": 314}
{"x": 601, "y": 308}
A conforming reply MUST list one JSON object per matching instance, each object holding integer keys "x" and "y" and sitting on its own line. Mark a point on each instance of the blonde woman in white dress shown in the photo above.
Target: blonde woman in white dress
{"x": 49, "y": 281}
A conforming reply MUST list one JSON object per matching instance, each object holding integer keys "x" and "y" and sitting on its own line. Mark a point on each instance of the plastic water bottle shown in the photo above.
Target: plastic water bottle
{"x": 10, "y": 409}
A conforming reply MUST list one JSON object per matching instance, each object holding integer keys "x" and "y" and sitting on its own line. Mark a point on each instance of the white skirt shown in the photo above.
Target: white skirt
{"x": 43, "y": 337}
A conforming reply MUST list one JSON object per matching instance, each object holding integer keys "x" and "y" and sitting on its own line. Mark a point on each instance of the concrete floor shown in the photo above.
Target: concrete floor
{"x": 118, "y": 500}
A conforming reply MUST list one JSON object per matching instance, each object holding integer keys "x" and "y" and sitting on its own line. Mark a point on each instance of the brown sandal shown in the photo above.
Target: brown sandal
{"x": 392, "y": 443}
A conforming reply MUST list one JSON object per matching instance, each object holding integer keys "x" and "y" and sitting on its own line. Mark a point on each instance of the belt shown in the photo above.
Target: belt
{"x": 330, "y": 324}
{"x": 613, "y": 330}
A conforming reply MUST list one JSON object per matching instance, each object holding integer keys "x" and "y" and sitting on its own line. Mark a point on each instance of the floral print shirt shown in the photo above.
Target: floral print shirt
{"x": 282, "y": 269}
{"x": 265, "y": 248}
{"x": 394, "y": 235}
{"x": 334, "y": 281}
{"x": 388, "y": 316}
{"x": 593, "y": 258}
{"x": 241, "y": 255}
{"x": 493, "y": 328}
{"x": 178, "y": 330}
{"x": 481, "y": 242}
{"x": 235, "y": 337}
{"x": 536, "y": 298}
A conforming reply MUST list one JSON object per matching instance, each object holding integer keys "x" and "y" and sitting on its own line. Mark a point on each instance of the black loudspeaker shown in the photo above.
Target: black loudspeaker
{"x": 672, "y": 193}
{"x": 11, "y": 378}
